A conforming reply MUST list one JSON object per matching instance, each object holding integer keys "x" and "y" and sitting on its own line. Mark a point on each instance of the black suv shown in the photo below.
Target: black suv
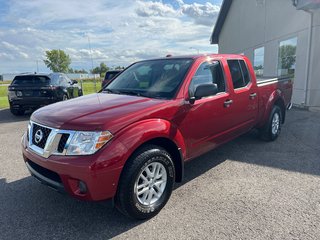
{"x": 110, "y": 75}
{"x": 31, "y": 91}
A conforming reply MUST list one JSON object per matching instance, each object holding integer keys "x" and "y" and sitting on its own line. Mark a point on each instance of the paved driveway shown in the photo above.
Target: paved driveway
{"x": 246, "y": 189}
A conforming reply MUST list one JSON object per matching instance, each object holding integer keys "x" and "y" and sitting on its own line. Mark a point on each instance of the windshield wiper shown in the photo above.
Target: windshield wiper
{"x": 129, "y": 92}
{"x": 126, "y": 92}
{"x": 110, "y": 91}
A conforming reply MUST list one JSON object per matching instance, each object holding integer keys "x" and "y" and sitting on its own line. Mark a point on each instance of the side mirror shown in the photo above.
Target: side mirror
{"x": 204, "y": 90}
{"x": 73, "y": 82}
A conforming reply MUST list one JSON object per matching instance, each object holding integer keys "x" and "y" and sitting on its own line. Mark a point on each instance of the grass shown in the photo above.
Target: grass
{"x": 4, "y": 97}
{"x": 4, "y": 82}
{"x": 87, "y": 88}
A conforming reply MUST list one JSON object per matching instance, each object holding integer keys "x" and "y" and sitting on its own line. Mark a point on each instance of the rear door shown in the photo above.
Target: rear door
{"x": 74, "y": 87}
{"x": 64, "y": 84}
{"x": 244, "y": 98}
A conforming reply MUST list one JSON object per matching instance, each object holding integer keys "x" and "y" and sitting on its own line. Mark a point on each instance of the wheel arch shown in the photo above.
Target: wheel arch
{"x": 157, "y": 132}
{"x": 174, "y": 151}
{"x": 276, "y": 98}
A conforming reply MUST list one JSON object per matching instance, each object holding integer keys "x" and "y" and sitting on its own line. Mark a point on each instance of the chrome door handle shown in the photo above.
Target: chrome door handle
{"x": 227, "y": 103}
{"x": 253, "y": 95}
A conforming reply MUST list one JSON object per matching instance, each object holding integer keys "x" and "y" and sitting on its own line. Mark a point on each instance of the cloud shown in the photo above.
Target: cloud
{"x": 147, "y": 9}
{"x": 205, "y": 14}
{"x": 14, "y": 50}
{"x": 120, "y": 32}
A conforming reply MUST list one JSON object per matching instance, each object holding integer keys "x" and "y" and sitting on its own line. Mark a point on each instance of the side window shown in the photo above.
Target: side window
{"x": 239, "y": 73}
{"x": 62, "y": 81}
{"x": 66, "y": 79}
{"x": 236, "y": 74}
{"x": 245, "y": 72}
{"x": 209, "y": 72}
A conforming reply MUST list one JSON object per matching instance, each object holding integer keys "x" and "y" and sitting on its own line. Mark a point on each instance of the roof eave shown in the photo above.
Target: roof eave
{"x": 220, "y": 21}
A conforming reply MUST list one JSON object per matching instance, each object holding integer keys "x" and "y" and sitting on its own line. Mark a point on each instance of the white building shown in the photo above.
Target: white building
{"x": 279, "y": 36}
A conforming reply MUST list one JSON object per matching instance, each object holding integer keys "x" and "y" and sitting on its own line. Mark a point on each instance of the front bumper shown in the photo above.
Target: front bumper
{"x": 100, "y": 172}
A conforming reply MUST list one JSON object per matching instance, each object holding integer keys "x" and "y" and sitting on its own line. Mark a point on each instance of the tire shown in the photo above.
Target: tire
{"x": 17, "y": 112}
{"x": 65, "y": 97}
{"x": 154, "y": 191}
{"x": 272, "y": 129}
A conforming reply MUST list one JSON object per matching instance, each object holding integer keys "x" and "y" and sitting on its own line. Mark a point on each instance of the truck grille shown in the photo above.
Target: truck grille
{"x": 63, "y": 142}
{"x": 40, "y": 135}
{"x": 47, "y": 141}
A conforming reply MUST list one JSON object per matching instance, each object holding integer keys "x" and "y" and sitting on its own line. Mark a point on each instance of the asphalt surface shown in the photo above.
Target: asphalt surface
{"x": 246, "y": 189}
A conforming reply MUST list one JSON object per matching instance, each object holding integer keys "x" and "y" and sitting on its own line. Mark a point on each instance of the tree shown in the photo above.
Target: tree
{"x": 119, "y": 68}
{"x": 80, "y": 71}
{"x": 102, "y": 69}
{"x": 57, "y": 60}
{"x": 287, "y": 56}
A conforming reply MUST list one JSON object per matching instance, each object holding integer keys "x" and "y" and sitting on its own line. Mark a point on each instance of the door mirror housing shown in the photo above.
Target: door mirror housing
{"x": 204, "y": 90}
{"x": 73, "y": 82}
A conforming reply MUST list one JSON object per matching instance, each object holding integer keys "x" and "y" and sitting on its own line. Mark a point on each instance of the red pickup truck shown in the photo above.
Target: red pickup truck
{"x": 130, "y": 141}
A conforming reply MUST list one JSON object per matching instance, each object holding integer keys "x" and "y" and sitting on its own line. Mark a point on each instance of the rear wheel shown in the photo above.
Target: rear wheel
{"x": 17, "y": 112}
{"x": 272, "y": 129}
{"x": 146, "y": 183}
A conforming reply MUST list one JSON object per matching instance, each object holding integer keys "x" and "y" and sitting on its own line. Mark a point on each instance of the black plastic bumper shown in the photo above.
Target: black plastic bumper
{"x": 46, "y": 181}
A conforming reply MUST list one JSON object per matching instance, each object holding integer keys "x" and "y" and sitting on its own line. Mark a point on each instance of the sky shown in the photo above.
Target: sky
{"x": 114, "y": 32}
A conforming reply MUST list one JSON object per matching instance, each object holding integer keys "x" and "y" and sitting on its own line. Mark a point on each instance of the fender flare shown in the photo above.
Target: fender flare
{"x": 275, "y": 96}
{"x": 142, "y": 132}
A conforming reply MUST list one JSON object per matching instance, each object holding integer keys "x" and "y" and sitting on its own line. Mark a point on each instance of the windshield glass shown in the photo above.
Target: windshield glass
{"x": 31, "y": 80}
{"x": 154, "y": 78}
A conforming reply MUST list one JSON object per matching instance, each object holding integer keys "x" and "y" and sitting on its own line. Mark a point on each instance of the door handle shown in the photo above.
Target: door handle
{"x": 253, "y": 95}
{"x": 227, "y": 103}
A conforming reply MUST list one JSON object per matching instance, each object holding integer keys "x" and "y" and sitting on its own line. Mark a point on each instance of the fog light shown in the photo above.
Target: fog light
{"x": 82, "y": 187}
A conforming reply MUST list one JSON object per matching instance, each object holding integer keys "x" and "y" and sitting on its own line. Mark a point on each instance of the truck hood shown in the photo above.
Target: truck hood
{"x": 96, "y": 112}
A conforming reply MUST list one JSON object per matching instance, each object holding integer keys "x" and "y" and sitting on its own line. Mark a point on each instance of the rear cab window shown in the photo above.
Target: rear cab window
{"x": 239, "y": 73}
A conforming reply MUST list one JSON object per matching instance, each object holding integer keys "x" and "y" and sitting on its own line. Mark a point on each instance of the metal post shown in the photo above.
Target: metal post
{"x": 94, "y": 76}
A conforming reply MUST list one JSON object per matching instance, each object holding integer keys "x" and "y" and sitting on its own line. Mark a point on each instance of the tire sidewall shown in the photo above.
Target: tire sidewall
{"x": 65, "y": 97}
{"x": 137, "y": 209}
{"x": 275, "y": 110}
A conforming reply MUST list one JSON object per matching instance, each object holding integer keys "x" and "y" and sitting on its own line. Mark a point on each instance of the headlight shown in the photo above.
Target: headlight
{"x": 86, "y": 143}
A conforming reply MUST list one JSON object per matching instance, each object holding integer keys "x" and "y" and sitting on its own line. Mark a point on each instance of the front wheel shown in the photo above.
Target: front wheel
{"x": 146, "y": 183}
{"x": 272, "y": 129}
{"x": 64, "y": 97}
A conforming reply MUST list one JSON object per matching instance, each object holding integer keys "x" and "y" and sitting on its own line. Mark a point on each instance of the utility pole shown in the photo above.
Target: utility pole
{"x": 37, "y": 65}
{"x": 95, "y": 81}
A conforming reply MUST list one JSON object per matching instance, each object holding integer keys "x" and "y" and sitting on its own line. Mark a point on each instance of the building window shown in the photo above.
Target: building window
{"x": 258, "y": 61}
{"x": 287, "y": 57}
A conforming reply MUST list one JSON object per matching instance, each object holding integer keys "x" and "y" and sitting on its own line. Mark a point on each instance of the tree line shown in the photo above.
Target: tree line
{"x": 58, "y": 61}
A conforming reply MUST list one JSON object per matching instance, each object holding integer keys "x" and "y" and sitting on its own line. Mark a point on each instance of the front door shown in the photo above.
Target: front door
{"x": 207, "y": 120}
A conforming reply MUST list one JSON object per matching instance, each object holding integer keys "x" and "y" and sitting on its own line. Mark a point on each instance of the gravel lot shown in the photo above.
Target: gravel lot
{"x": 246, "y": 189}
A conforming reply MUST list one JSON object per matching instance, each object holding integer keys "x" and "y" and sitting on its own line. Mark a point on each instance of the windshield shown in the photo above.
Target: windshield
{"x": 31, "y": 80}
{"x": 154, "y": 78}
